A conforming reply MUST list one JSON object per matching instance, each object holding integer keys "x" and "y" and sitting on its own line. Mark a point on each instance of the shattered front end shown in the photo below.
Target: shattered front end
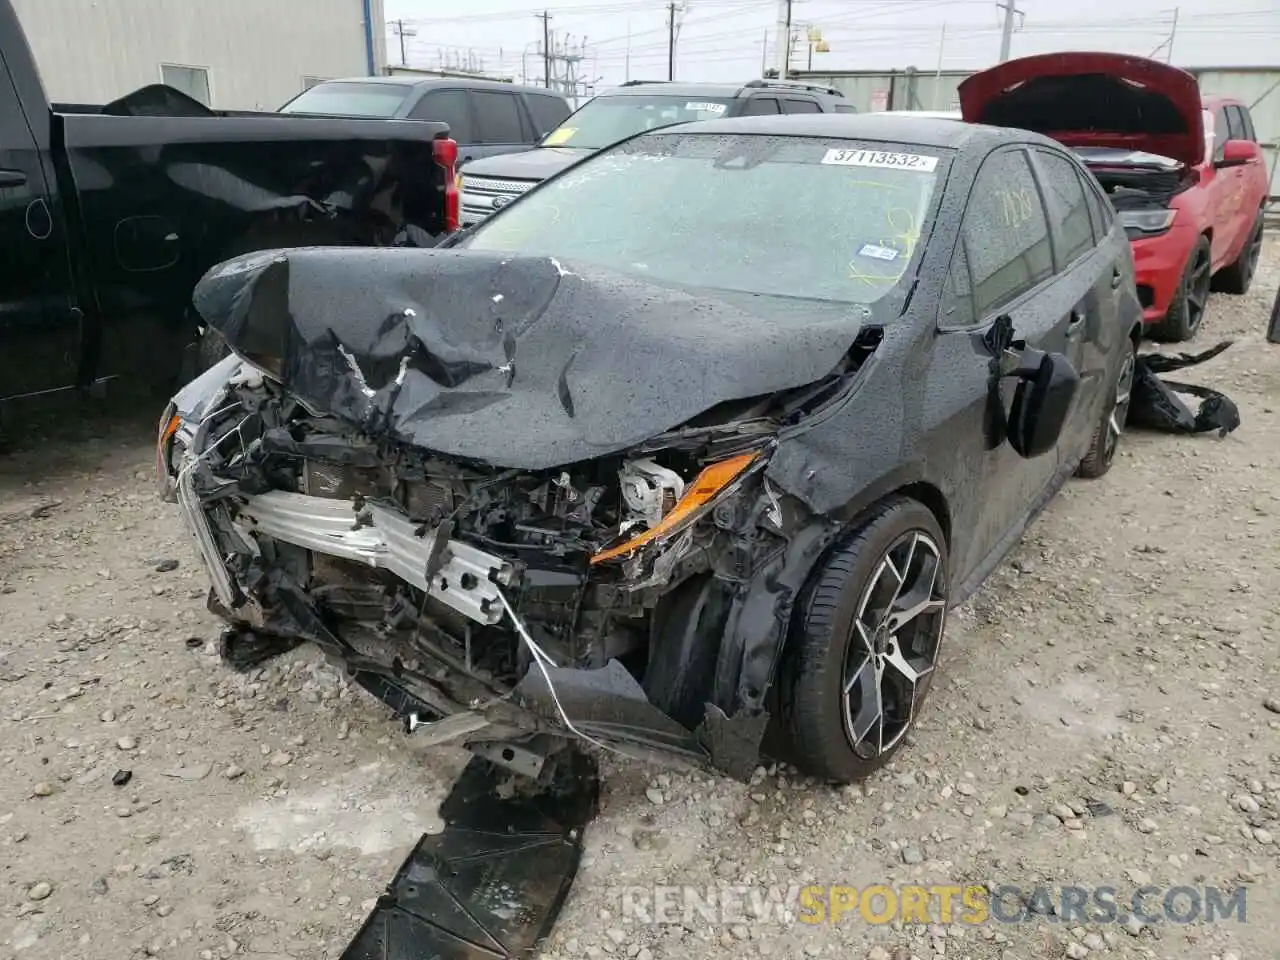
{"x": 517, "y": 504}
{"x": 485, "y": 606}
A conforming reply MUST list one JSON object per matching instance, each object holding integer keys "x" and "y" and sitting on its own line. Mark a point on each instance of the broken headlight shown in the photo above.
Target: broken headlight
{"x": 716, "y": 483}
{"x": 170, "y": 423}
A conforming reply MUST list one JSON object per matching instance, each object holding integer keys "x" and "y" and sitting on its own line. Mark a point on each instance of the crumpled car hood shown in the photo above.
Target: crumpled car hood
{"x": 520, "y": 362}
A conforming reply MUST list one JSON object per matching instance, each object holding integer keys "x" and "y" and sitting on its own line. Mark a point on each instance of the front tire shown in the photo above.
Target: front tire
{"x": 1106, "y": 435}
{"x": 865, "y": 643}
{"x": 1186, "y": 311}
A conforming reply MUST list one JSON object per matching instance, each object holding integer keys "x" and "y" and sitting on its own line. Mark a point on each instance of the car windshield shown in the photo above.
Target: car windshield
{"x": 376, "y": 100}
{"x": 807, "y": 217}
{"x": 606, "y": 120}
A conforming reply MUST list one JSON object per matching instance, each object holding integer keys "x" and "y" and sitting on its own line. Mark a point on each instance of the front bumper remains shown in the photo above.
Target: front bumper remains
{"x": 605, "y": 706}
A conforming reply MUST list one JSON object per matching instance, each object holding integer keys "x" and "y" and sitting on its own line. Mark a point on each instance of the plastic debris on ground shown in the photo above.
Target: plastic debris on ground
{"x": 1156, "y": 405}
{"x": 494, "y": 881}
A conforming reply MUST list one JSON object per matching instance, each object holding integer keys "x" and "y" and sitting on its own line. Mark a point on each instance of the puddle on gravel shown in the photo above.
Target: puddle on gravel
{"x": 373, "y": 809}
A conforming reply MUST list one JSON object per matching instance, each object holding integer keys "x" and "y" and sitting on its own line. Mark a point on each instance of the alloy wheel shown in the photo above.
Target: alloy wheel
{"x": 1197, "y": 281}
{"x": 1120, "y": 408}
{"x": 894, "y": 644}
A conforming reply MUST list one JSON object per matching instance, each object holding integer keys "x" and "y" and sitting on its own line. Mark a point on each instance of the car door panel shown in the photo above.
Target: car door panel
{"x": 1002, "y": 268}
{"x": 1085, "y": 282}
{"x": 39, "y": 323}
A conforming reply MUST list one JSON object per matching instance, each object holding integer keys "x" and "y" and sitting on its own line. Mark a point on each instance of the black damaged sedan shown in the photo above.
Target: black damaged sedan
{"x": 686, "y": 453}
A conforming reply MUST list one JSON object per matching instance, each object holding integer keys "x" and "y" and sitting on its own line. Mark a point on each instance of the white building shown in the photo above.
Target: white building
{"x": 229, "y": 54}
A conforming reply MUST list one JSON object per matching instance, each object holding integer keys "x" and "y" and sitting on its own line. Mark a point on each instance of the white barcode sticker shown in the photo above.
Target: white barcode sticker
{"x": 886, "y": 161}
{"x": 877, "y": 252}
{"x": 705, "y": 107}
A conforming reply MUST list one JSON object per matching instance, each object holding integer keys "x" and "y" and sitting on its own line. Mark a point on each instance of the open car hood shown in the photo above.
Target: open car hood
{"x": 1093, "y": 99}
{"x": 520, "y": 362}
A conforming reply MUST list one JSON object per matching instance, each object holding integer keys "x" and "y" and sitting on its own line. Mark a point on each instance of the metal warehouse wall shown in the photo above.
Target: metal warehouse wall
{"x": 257, "y": 52}
{"x": 1259, "y": 88}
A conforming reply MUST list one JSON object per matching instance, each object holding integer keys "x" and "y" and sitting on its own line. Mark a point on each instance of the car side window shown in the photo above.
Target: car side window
{"x": 1247, "y": 121}
{"x": 1068, "y": 206}
{"x": 797, "y": 105}
{"x": 1100, "y": 210}
{"x": 1221, "y": 131}
{"x": 761, "y": 106}
{"x": 497, "y": 116}
{"x": 1006, "y": 232}
{"x": 451, "y": 107}
{"x": 548, "y": 112}
{"x": 1235, "y": 123}
{"x": 957, "y": 293}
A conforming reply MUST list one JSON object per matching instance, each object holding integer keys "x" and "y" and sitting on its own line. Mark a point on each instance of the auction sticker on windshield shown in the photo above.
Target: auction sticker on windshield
{"x": 705, "y": 107}
{"x": 887, "y": 161}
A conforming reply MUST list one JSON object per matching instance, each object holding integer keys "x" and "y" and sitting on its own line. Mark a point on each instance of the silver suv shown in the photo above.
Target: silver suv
{"x": 632, "y": 108}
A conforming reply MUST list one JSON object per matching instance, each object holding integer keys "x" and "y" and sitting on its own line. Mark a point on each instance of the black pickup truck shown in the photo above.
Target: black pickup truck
{"x": 110, "y": 214}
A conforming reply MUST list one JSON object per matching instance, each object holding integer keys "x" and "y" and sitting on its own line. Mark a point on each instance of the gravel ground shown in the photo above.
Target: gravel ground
{"x": 1107, "y": 714}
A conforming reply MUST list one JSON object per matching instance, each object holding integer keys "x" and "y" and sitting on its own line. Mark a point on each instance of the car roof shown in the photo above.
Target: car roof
{"x": 1211, "y": 100}
{"x": 451, "y": 82}
{"x": 900, "y": 128}
{"x": 730, "y": 91}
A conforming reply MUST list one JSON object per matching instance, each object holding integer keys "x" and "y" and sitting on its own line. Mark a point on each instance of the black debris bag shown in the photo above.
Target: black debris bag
{"x": 1156, "y": 405}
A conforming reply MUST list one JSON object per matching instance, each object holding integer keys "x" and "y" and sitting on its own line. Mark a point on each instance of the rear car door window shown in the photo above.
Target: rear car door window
{"x": 797, "y": 105}
{"x": 761, "y": 107}
{"x": 548, "y": 112}
{"x": 1247, "y": 120}
{"x": 1006, "y": 233}
{"x": 1235, "y": 124}
{"x": 1221, "y": 131}
{"x": 497, "y": 116}
{"x": 1068, "y": 207}
{"x": 451, "y": 107}
{"x": 1100, "y": 211}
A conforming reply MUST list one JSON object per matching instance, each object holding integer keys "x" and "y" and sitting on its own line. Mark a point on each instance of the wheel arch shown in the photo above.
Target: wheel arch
{"x": 762, "y": 617}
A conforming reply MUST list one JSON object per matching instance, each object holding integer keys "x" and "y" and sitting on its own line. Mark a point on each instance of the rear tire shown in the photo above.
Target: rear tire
{"x": 1106, "y": 435}
{"x": 1235, "y": 278}
{"x": 1186, "y": 312}
{"x": 862, "y": 654}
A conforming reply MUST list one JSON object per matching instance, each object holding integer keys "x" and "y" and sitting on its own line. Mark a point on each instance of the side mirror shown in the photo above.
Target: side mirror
{"x": 1047, "y": 384}
{"x": 1236, "y": 153}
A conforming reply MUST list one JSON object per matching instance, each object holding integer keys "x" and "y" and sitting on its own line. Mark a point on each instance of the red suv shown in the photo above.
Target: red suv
{"x": 1185, "y": 173}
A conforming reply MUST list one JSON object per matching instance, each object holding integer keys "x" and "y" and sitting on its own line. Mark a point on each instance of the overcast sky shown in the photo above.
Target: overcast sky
{"x": 723, "y": 39}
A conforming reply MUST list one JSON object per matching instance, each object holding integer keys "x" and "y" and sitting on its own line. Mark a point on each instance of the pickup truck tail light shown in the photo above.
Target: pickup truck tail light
{"x": 445, "y": 152}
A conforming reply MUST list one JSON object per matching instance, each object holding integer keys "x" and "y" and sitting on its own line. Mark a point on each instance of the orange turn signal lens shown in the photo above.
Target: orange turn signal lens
{"x": 168, "y": 428}
{"x": 708, "y": 485}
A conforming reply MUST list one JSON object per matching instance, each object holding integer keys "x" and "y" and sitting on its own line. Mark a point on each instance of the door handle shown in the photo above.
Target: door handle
{"x": 12, "y": 178}
{"x": 1117, "y": 278}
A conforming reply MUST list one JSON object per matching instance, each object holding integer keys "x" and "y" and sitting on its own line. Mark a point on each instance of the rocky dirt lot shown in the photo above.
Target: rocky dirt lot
{"x": 1108, "y": 714}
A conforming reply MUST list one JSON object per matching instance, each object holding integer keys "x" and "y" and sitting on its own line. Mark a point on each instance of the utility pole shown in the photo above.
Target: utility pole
{"x": 628, "y": 59}
{"x": 671, "y": 41}
{"x": 1010, "y": 8}
{"x": 402, "y": 31}
{"x": 764, "y": 53}
{"x": 784, "y": 38}
{"x": 545, "y": 17}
